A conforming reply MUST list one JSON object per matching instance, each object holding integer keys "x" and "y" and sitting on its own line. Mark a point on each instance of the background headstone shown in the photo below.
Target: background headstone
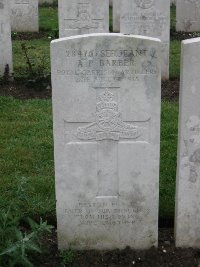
{"x": 188, "y": 15}
{"x": 188, "y": 167}
{"x": 148, "y": 18}
{"x": 76, "y": 18}
{"x": 24, "y": 15}
{"x": 116, "y": 15}
{"x": 106, "y": 105}
{"x": 5, "y": 39}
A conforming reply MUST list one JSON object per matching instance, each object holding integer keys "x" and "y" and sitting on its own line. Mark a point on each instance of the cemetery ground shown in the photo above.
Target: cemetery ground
{"x": 27, "y": 164}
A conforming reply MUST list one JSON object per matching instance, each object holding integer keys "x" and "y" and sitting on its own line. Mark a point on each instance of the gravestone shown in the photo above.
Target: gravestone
{"x": 24, "y": 15}
{"x": 116, "y": 15}
{"x": 148, "y": 18}
{"x": 82, "y": 17}
{"x": 188, "y": 167}
{"x": 106, "y": 105}
{"x": 41, "y": 2}
{"x": 6, "y": 66}
{"x": 188, "y": 15}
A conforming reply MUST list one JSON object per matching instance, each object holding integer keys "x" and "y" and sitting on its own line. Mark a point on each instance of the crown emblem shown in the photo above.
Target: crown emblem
{"x": 106, "y": 101}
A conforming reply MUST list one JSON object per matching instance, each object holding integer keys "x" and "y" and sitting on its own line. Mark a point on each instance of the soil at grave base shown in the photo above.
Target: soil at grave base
{"x": 170, "y": 91}
{"x": 165, "y": 256}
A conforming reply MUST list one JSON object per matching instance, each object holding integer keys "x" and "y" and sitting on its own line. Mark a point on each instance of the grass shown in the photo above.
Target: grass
{"x": 27, "y": 165}
{"x": 48, "y": 19}
{"x": 26, "y": 157}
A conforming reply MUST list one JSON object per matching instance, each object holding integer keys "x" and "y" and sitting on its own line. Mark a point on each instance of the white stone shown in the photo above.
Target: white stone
{"x": 106, "y": 106}
{"x": 76, "y": 18}
{"x": 148, "y": 18}
{"x": 188, "y": 15}
{"x": 5, "y": 39}
{"x": 41, "y": 2}
{"x": 24, "y": 15}
{"x": 116, "y": 15}
{"x": 188, "y": 167}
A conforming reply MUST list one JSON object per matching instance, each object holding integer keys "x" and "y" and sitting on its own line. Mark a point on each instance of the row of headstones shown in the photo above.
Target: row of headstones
{"x": 77, "y": 18}
{"x": 106, "y": 107}
{"x": 147, "y": 18}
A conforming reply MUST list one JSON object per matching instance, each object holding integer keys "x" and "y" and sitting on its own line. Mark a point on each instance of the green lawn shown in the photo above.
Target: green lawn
{"x": 26, "y": 157}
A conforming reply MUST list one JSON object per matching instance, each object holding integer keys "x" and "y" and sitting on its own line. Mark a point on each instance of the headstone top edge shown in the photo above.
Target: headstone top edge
{"x": 191, "y": 41}
{"x": 106, "y": 35}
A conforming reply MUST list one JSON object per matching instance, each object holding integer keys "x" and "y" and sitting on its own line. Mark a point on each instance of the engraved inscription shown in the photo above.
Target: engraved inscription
{"x": 191, "y": 154}
{"x": 106, "y": 213}
{"x": 84, "y": 19}
{"x": 152, "y": 22}
{"x": 109, "y": 123}
{"x": 145, "y": 3}
{"x": 22, "y": 2}
{"x": 92, "y": 66}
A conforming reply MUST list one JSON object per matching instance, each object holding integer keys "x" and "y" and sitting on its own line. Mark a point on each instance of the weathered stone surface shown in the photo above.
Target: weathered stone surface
{"x": 188, "y": 167}
{"x": 41, "y": 2}
{"x": 76, "y": 18}
{"x": 188, "y": 15}
{"x": 148, "y": 18}
{"x": 116, "y": 15}
{"x": 5, "y": 39}
{"x": 106, "y": 105}
{"x": 24, "y": 15}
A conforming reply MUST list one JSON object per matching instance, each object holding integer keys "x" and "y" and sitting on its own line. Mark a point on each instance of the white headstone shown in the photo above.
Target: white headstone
{"x": 116, "y": 15}
{"x": 24, "y": 15}
{"x": 148, "y": 18}
{"x": 106, "y": 105}
{"x": 76, "y": 18}
{"x": 6, "y": 65}
{"x": 188, "y": 167}
{"x": 188, "y": 15}
{"x": 41, "y": 2}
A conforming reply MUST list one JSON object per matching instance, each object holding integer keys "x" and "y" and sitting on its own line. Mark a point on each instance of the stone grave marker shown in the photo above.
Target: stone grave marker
{"x": 188, "y": 168}
{"x": 6, "y": 65}
{"x": 188, "y": 15}
{"x": 116, "y": 15}
{"x": 148, "y": 18}
{"x": 24, "y": 15}
{"x": 106, "y": 106}
{"x": 83, "y": 17}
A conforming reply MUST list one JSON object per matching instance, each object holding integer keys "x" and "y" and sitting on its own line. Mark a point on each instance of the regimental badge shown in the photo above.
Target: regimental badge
{"x": 109, "y": 123}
